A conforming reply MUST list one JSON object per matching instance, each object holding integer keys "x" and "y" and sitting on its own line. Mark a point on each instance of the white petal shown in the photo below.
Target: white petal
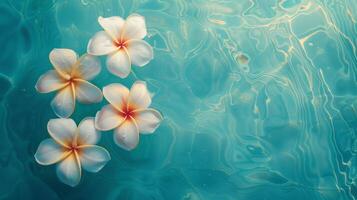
{"x": 63, "y": 60}
{"x": 50, "y": 152}
{"x": 117, "y": 95}
{"x": 118, "y": 63}
{"x": 126, "y": 135}
{"x": 87, "y": 134}
{"x": 87, "y": 92}
{"x": 50, "y": 81}
{"x": 134, "y": 27}
{"x": 88, "y": 67}
{"x": 64, "y": 102}
{"x": 148, "y": 120}
{"x": 101, "y": 44}
{"x": 140, "y": 52}
{"x": 139, "y": 97}
{"x": 62, "y": 130}
{"x": 69, "y": 170}
{"x": 112, "y": 25}
{"x": 93, "y": 158}
{"x": 108, "y": 118}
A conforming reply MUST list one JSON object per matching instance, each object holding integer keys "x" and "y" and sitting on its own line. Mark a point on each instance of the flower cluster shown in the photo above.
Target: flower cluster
{"x": 127, "y": 113}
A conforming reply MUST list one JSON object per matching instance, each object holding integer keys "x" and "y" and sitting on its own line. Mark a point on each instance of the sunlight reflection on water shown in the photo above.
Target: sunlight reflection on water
{"x": 259, "y": 99}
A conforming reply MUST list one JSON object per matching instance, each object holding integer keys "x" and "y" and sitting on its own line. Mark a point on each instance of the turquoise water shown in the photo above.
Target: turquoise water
{"x": 259, "y": 99}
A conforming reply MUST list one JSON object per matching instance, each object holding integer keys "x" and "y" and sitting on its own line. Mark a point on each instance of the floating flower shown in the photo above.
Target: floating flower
{"x": 70, "y": 79}
{"x": 127, "y": 113}
{"x": 72, "y": 148}
{"x": 122, "y": 41}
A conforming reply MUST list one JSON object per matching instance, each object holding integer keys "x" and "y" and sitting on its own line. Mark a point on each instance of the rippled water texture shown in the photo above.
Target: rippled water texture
{"x": 259, "y": 99}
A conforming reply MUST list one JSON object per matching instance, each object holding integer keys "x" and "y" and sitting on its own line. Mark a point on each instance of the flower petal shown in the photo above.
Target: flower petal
{"x": 118, "y": 63}
{"x": 88, "y": 67}
{"x": 50, "y": 152}
{"x": 126, "y": 135}
{"x": 87, "y": 134}
{"x": 140, "y": 52}
{"x": 62, "y": 130}
{"x": 148, "y": 120}
{"x": 69, "y": 170}
{"x": 50, "y": 81}
{"x": 87, "y": 92}
{"x": 134, "y": 27}
{"x": 101, "y": 44}
{"x": 64, "y": 102}
{"x": 112, "y": 25}
{"x": 108, "y": 118}
{"x": 63, "y": 60}
{"x": 93, "y": 158}
{"x": 139, "y": 97}
{"x": 117, "y": 95}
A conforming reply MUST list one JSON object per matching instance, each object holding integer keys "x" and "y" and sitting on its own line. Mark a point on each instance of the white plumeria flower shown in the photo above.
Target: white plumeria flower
{"x": 72, "y": 148}
{"x": 70, "y": 79}
{"x": 127, "y": 113}
{"x": 122, "y": 41}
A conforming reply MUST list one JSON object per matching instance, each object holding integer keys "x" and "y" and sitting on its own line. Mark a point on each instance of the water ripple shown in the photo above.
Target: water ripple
{"x": 259, "y": 99}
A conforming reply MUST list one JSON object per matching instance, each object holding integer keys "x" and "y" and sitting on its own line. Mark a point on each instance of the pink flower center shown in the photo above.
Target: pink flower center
{"x": 71, "y": 80}
{"x": 73, "y": 148}
{"x": 128, "y": 112}
{"x": 120, "y": 44}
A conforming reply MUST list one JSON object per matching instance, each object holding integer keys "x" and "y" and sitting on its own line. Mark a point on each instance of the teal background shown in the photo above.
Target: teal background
{"x": 259, "y": 99}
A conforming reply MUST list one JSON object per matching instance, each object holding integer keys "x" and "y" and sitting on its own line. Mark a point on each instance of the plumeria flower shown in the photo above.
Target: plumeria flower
{"x": 70, "y": 78}
{"x": 128, "y": 113}
{"x": 122, "y": 41}
{"x": 72, "y": 148}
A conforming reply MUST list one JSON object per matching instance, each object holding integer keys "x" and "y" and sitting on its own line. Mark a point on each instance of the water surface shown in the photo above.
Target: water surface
{"x": 259, "y": 99}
